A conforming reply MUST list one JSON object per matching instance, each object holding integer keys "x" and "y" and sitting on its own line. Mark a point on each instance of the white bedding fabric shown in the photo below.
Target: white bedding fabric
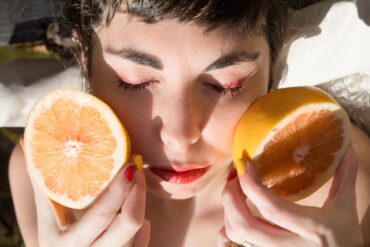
{"x": 353, "y": 93}
{"x": 327, "y": 41}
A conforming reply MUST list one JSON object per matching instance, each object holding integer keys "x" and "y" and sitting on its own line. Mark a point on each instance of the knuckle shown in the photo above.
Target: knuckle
{"x": 72, "y": 237}
{"x": 234, "y": 238}
{"x": 141, "y": 185}
{"x": 242, "y": 233}
{"x": 124, "y": 190}
{"x": 230, "y": 234}
{"x": 119, "y": 188}
{"x": 270, "y": 209}
{"x": 105, "y": 216}
{"x": 319, "y": 231}
{"x": 319, "y": 239}
{"x": 137, "y": 223}
{"x": 73, "y": 242}
{"x": 228, "y": 197}
{"x": 237, "y": 231}
{"x": 133, "y": 222}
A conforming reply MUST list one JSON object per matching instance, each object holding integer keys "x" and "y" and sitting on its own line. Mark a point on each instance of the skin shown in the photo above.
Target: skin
{"x": 181, "y": 119}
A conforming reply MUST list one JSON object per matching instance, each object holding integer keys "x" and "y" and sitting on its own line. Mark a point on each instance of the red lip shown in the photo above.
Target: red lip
{"x": 179, "y": 177}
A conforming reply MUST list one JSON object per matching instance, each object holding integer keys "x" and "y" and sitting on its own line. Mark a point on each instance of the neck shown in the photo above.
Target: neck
{"x": 181, "y": 221}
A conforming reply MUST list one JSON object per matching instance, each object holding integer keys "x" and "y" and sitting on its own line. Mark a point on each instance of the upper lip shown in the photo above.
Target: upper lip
{"x": 180, "y": 167}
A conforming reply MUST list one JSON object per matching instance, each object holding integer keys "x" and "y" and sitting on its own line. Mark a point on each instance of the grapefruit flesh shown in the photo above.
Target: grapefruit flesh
{"x": 74, "y": 145}
{"x": 295, "y": 137}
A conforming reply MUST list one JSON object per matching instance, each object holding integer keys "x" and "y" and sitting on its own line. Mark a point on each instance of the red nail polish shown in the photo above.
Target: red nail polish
{"x": 232, "y": 174}
{"x": 130, "y": 172}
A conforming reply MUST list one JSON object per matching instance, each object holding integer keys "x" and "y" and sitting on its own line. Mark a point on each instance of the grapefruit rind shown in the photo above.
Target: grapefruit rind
{"x": 251, "y": 137}
{"x": 120, "y": 155}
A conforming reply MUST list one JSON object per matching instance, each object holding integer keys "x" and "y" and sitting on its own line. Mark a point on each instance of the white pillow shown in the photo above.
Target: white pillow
{"x": 327, "y": 41}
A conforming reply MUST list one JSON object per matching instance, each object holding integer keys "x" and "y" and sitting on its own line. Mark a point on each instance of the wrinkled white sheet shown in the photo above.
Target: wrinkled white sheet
{"x": 353, "y": 94}
{"x": 321, "y": 49}
{"x": 327, "y": 41}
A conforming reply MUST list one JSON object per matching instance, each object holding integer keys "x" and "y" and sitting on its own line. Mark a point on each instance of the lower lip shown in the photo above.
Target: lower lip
{"x": 179, "y": 177}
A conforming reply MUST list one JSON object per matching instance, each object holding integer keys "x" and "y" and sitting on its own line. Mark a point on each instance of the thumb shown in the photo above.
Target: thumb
{"x": 343, "y": 188}
{"x": 143, "y": 235}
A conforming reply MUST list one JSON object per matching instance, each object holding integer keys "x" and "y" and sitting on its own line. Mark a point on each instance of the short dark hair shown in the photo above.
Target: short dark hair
{"x": 235, "y": 16}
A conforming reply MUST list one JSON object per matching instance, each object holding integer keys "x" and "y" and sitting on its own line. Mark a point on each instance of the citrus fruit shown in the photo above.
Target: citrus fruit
{"x": 74, "y": 145}
{"x": 295, "y": 137}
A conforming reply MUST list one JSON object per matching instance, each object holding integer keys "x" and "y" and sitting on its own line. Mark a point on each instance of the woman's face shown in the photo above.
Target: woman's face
{"x": 180, "y": 92}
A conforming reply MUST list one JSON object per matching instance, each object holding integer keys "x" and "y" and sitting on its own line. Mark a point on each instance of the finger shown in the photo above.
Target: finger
{"x": 295, "y": 218}
{"x": 244, "y": 225}
{"x": 46, "y": 221}
{"x": 222, "y": 240}
{"x": 104, "y": 210}
{"x": 143, "y": 235}
{"x": 343, "y": 188}
{"x": 231, "y": 233}
{"x": 127, "y": 223}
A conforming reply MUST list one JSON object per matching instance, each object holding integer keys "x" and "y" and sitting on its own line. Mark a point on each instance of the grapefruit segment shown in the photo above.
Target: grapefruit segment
{"x": 295, "y": 137}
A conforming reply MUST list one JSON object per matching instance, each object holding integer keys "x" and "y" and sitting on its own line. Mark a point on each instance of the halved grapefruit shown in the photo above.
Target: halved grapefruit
{"x": 295, "y": 137}
{"x": 74, "y": 145}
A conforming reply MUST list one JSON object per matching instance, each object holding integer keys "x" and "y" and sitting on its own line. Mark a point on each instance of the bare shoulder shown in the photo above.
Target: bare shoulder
{"x": 22, "y": 195}
{"x": 360, "y": 140}
{"x": 17, "y": 161}
{"x": 17, "y": 168}
{"x": 361, "y": 145}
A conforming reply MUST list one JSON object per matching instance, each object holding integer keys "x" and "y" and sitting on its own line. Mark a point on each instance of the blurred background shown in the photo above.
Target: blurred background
{"x": 35, "y": 48}
{"x": 32, "y": 47}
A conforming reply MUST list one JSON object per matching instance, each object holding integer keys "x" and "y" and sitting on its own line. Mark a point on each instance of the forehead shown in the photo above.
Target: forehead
{"x": 127, "y": 30}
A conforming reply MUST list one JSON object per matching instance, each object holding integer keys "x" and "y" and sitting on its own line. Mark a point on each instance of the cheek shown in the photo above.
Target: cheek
{"x": 134, "y": 110}
{"x": 135, "y": 113}
{"x": 220, "y": 129}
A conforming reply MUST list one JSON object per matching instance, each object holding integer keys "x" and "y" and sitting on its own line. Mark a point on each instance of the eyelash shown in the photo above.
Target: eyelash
{"x": 233, "y": 91}
{"x": 220, "y": 90}
{"x": 134, "y": 87}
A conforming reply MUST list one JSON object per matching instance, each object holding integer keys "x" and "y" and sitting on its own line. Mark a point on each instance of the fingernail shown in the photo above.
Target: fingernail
{"x": 240, "y": 167}
{"x": 232, "y": 175}
{"x": 138, "y": 161}
{"x": 130, "y": 172}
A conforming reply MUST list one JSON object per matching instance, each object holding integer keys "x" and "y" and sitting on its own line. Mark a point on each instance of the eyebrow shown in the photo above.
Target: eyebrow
{"x": 150, "y": 60}
{"x": 138, "y": 57}
{"x": 233, "y": 59}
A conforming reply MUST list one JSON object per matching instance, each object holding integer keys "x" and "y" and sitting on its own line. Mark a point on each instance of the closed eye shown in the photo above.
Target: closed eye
{"x": 134, "y": 87}
{"x": 233, "y": 91}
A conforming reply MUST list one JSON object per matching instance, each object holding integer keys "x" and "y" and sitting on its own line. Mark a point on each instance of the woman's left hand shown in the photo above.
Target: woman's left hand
{"x": 335, "y": 224}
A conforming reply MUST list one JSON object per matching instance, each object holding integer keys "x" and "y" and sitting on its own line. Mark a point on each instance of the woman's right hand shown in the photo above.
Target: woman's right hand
{"x": 116, "y": 218}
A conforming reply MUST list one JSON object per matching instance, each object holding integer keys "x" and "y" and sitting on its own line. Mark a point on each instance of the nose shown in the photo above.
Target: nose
{"x": 180, "y": 117}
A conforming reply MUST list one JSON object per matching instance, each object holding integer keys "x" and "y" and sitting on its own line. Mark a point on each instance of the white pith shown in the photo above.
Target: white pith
{"x": 72, "y": 149}
{"x": 300, "y": 153}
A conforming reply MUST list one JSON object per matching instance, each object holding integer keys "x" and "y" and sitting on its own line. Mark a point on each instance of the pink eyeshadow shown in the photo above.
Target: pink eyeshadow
{"x": 231, "y": 84}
